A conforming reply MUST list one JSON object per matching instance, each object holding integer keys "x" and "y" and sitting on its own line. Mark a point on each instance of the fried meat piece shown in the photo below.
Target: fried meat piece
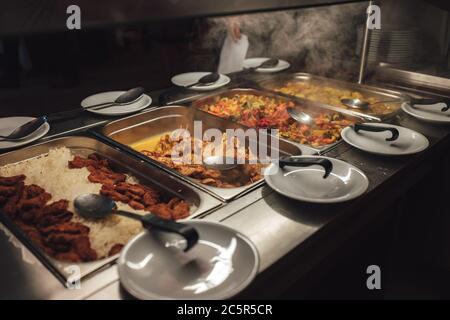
{"x": 53, "y": 214}
{"x": 180, "y": 208}
{"x": 136, "y": 205}
{"x": 100, "y": 160}
{"x": 70, "y": 237}
{"x": 11, "y": 181}
{"x": 115, "y": 249}
{"x": 150, "y": 198}
{"x": 36, "y": 202}
{"x": 33, "y": 197}
{"x": 161, "y": 210}
{"x": 190, "y": 170}
{"x": 30, "y": 216}
{"x": 82, "y": 246}
{"x": 67, "y": 228}
{"x": 110, "y": 192}
{"x": 60, "y": 242}
{"x": 80, "y": 162}
{"x": 100, "y": 176}
{"x": 3, "y": 200}
{"x": 135, "y": 189}
{"x": 7, "y": 191}
{"x": 32, "y": 233}
{"x": 11, "y": 208}
{"x": 32, "y": 191}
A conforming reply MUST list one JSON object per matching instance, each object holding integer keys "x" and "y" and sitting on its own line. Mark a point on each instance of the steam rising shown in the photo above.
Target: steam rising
{"x": 320, "y": 40}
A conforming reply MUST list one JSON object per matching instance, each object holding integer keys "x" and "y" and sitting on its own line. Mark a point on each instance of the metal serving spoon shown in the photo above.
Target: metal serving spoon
{"x": 95, "y": 206}
{"x": 125, "y": 98}
{"x": 359, "y": 104}
{"x": 220, "y": 163}
{"x": 26, "y": 129}
{"x": 301, "y": 117}
{"x": 206, "y": 80}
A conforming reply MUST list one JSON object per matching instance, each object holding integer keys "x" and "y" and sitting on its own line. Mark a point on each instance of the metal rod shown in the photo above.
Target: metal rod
{"x": 365, "y": 49}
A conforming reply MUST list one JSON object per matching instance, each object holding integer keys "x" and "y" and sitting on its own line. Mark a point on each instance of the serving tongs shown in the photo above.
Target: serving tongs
{"x": 95, "y": 206}
{"x": 306, "y": 162}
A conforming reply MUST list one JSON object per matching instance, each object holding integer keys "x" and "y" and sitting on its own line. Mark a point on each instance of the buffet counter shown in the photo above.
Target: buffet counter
{"x": 292, "y": 238}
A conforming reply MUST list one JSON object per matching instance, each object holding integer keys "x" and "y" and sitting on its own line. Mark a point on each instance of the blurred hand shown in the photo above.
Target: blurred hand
{"x": 234, "y": 28}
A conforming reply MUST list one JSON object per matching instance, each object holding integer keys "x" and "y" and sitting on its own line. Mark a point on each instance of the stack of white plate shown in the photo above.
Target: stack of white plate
{"x": 397, "y": 47}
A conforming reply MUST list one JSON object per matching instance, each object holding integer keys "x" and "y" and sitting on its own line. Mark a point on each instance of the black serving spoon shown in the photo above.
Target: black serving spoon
{"x": 206, "y": 80}
{"x": 125, "y": 98}
{"x": 25, "y": 130}
{"x": 95, "y": 206}
{"x": 128, "y": 97}
{"x": 270, "y": 63}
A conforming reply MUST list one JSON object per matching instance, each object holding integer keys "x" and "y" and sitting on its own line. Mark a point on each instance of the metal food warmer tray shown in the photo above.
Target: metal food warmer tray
{"x": 200, "y": 202}
{"x": 127, "y": 131}
{"x": 311, "y": 108}
{"x": 381, "y": 94}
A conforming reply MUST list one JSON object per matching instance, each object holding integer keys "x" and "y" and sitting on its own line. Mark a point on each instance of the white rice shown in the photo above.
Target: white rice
{"x": 52, "y": 173}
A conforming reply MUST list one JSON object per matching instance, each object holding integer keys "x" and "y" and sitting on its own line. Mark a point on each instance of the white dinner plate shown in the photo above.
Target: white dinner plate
{"x": 8, "y": 125}
{"x": 221, "y": 264}
{"x": 185, "y": 79}
{"x": 254, "y": 62}
{"x": 119, "y": 110}
{"x": 408, "y": 142}
{"x": 431, "y": 113}
{"x": 344, "y": 183}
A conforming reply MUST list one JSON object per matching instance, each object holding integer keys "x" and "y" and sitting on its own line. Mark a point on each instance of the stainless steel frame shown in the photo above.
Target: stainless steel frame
{"x": 200, "y": 202}
{"x": 379, "y": 93}
{"x": 125, "y": 132}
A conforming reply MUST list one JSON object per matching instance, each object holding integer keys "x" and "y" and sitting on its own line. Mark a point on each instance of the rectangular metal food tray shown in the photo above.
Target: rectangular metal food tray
{"x": 369, "y": 91}
{"x": 168, "y": 185}
{"x": 124, "y": 132}
{"x": 310, "y": 108}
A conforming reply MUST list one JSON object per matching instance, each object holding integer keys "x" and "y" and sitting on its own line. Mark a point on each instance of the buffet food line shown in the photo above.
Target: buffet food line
{"x": 129, "y": 161}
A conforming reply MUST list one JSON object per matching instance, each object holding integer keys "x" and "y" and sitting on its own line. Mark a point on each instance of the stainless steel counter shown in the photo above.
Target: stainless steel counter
{"x": 291, "y": 237}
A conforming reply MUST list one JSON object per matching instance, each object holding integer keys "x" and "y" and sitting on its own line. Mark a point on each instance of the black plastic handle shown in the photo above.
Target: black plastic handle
{"x": 187, "y": 232}
{"x": 306, "y": 162}
{"x": 425, "y": 101}
{"x": 367, "y": 127}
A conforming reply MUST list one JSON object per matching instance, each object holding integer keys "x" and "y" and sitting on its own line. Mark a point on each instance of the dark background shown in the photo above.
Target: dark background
{"x": 44, "y": 69}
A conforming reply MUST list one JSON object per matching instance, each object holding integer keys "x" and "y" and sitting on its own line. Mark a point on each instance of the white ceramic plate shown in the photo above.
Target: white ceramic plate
{"x": 121, "y": 110}
{"x": 254, "y": 62}
{"x": 344, "y": 183}
{"x": 219, "y": 266}
{"x": 8, "y": 125}
{"x": 408, "y": 142}
{"x": 185, "y": 79}
{"x": 431, "y": 113}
